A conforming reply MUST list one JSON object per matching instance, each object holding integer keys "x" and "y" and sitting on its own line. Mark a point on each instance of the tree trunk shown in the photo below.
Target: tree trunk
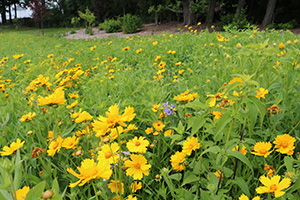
{"x": 211, "y": 11}
{"x": 15, "y": 11}
{"x": 9, "y": 12}
{"x": 269, "y": 16}
{"x": 188, "y": 16}
{"x": 156, "y": 18}
{"x": 240, "y": 6}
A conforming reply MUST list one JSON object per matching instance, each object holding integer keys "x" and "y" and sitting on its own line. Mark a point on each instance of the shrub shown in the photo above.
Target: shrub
{"x": 131, "y": 23}
{"x": 238, "y": 21}
{"x": 288, "y": 25}
{"x": 111, "y": 25}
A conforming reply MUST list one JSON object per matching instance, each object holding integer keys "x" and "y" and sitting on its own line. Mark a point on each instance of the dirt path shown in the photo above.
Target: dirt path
{"x": 148, "y": 29}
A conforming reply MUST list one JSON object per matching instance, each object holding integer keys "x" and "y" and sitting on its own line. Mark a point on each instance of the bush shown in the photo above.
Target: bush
{"x": 111, "y": 26}
{"x": 288, "y": 25}
{"x": 234, "y": 21}
{"x": 131, "y": 23}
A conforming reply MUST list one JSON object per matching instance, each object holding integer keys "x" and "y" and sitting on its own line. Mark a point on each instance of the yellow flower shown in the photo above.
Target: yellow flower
{"x": 186, "y": 96}
{"x": 93, "y": 48}
{"x": 109, "y": 152}
{"x": 273, "y": 185}
{"x": 70, "y": 142}
{"x": 126, "y": 48}
{"x": 55, "y": 146}
{"x": 236, "y": 79}
{"x": 73, "y": 96}
{"x": 190, "y": 145}
{"x": 28, "y": 117}
{"x": 238, "y": 45}
{"x": 285, "y": 144}
{"x": 243, "y": 197}
{"x": 158, "y": 126}
{"x": 168, "y": 132}
{"x": 243, "y": 150}
{"x": 130, "y": 128}
{"x": 22, "y": 193}
{"x": 73, "y": 104}
{"x": 215, "y": 98}
{"x": 84, "y": 116}
{"x": 75, "y": 115}
{"x": 273, "y": 109}
{"x": 139, "y": 51}
{"x": 130, "y": 197}
{"x": 104, "y": 124}
{"x": 178, "y": 64}
{"x": 50, "y": 56}
{"x": 261, "y": 93}
{"x": 157, "y": 58}
{"x": 135, "y": 186}
{"x": 218, "y": 174}
{"x": 155, "y": 107}
{"x": 262, "y": 149}
{"x": 155, "y": 43}
{"x": 17, "y": 56}
{"x": 115, "y": 187}
{"x": 177, "y": 161}
{"x": 149, "y": 130}
{"x": 90, "y": 170}
{"x": 199, "y": 23}
{"x": 281, "y": 45}
{"x": 138, "y": 145}
{"x": 14, "y": 146}
{"x": 217, "y": 114}
{"x": 137, "y": 166}
{"x": 58, "y": 97}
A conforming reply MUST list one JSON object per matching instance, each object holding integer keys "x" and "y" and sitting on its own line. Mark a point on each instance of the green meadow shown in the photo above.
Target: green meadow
{"x": 193, "y": 115}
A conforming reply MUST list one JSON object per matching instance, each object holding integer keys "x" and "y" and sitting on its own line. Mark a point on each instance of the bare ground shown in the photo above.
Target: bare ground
{"x": 148, "y": 29}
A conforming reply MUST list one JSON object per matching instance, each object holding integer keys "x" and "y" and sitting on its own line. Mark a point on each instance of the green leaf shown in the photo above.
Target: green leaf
{"x": 288, "y": 162}
{"x": 189, "y": 177}
{"x": 36, "y": 192}
{"x": 204, "y": 194}
{"x": 261, "y": 108}
{"x": 242, "y": 184}
{"x": 176, "y": 176}
{"x": 221, "y": 123}
{"x": 69, "y": 130}
{"x": 213, "y": 149}
{"x": 241, "y": 157}
{"x": 5, "y": 195}
{"x": 295, "y": 186}
{"x": 18, "y": 170}
{"x": 55, "y": 189}
{"x": 197, "y": 123}
{"x": 180, "y": 128}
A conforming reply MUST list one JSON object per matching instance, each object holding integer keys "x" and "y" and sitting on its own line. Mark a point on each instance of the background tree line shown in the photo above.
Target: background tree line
{"x": 58, "y": 13}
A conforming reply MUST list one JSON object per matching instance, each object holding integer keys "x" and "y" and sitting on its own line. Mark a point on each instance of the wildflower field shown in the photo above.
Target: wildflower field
{"x": 188, "y": 116}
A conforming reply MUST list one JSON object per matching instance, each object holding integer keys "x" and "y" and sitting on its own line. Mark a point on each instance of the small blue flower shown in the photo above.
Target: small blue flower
{"x": 168, "y": 111}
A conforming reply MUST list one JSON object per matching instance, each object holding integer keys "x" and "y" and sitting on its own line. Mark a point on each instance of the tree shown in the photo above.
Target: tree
{"x": 240, "y": 6}
{"x": 39, "y": 11}
{"x": 211, "y": 11}
{"x": 188, "y": 15}
{"x": 3, "y": 4}
{"x": 269, "y": 16}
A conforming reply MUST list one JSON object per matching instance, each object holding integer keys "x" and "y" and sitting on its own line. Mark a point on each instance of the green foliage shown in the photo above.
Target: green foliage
{"x": 111, "y": 25}
{"x": 236, "y": 21}
{"x": 131, "y": 23}
{"x": 89, "y": 19}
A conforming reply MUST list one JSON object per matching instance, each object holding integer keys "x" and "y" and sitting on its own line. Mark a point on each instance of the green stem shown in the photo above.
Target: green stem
{"x": 120, "y": 166}
{"x": 294, "y": 127}
{"x": 96, "y": 194}
{"x": 228, "y": 135}
{"x": 12, "y": 186}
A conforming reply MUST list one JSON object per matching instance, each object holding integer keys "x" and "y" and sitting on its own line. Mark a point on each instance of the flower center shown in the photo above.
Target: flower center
{"x": 137, "y": 166}
{"x": 273, "y": 188}
{"x": 137, "y": 143}
{"x": 263, "y": 151}
{"x": 284, "y": 144}
{"x": 55, "y": 145}
{"x": 108, "y": 155}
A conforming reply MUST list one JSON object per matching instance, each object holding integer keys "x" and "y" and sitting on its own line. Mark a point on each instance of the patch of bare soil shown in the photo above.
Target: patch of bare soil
{"x": 148, "y": 29}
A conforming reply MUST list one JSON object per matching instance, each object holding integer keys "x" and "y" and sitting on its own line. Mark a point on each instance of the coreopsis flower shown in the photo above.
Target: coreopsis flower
{"x": 186, "y": 97}
{"x": 126, "y": 48}
{"x": 217, "y": 114}
{"x": 50, "y": 136}
{"x": 75, "y": 115}
{"x": 104, "y": 124}
{"x": 270, "y": 170}
{"x": 70, "y": 142}
{"x": 137, "y": 167}
{"x": 155, "y": 107}
{"x": 14, "y": 146}
{"x": 158, "y": 126}
{"x": 285, "y": 144}
{"x": 22, "y": 193}
{"x": 235, "y": 80}
{"x": 273, "y": 185}
{"x": 256, "y": 198}
{"x": 93, "y": 48}
{"x": 58, "y": 97}
{"x": 220, "y": 38}
{"x": 28, "y": 117}
{"x": 262, "y": 149}
{"x": 130, "y": 197}
{"x": 130, "y": 128}
{"x": 139, "y": 51}
{"x": 243, "y": 149}
{"x": 73, "y": 96}
{"x": 216, "y": 97}
{"x": 115, "y": 187}
{"x": 109, "y": 152}
{"x": 50, "y": 56}
{"x": 138, "y": 145}
{"x": 238, "y": 45}
{"x": 90, "y": 170}
{"x": 168, "y": 132}
{"x": 261, "y": 93}
{"x": 135, "y": 186}
{"x": 177, "y": 161}
{"x": 37, "y": 152}
{"x": 178, "y": 63}
{"x": 84, "y": 116}
{"x": 281, "y": 45}
{"x": 218, "y": 174}
{"x": 149, "y": 130}
{"x": 55, "y": 146}
{"x": 243, "y": 197}
{"x": 72, "y": 105}
{"x": 17, "y": 56}
{"x": 161, "y": 65}
{"x": 155, "y": 43}
{"x": 191, "y": 144}
{"x": 273, "y": 109}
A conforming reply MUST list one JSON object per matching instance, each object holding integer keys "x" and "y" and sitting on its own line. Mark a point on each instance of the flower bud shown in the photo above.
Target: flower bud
{"x": 29, "y": 132}
{"x": 48, "y": 194}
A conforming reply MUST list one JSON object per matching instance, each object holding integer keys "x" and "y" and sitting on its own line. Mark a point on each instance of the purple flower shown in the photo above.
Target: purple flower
{"x": 168, "y": 111}
{"x": 165, "y": 104}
